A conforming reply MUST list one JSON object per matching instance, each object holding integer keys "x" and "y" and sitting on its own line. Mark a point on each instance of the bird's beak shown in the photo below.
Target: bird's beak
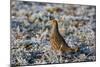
{"x": 50, "y": 22}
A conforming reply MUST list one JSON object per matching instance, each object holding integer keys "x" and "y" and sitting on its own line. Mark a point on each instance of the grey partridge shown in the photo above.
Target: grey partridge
{"x": 57, "y": 41}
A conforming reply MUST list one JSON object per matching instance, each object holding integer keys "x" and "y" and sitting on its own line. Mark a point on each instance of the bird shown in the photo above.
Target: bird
{"x": 58, "y": 43}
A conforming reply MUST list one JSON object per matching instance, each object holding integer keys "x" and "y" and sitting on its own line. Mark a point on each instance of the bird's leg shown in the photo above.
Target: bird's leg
{"x": 55, "y": 54}
{"x": 59, "y": 54}
{"x": 60, "y": 57}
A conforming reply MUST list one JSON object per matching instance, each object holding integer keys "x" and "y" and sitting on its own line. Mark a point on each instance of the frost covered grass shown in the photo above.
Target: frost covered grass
{"x": 30, "y": 29}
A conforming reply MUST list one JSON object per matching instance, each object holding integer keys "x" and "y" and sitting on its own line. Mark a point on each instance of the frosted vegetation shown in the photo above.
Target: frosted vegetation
{"x": 30, "y": 29}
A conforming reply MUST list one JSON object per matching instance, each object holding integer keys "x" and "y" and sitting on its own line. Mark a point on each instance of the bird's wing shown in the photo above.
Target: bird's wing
{"x": 62, "y": 40}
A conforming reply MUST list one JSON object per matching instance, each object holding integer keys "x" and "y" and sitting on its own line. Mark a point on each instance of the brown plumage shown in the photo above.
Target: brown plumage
{"x": 57, "y": 41}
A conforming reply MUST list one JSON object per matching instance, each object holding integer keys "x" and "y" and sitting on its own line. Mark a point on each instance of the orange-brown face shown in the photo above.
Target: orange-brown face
{"x": 54, "y": 23}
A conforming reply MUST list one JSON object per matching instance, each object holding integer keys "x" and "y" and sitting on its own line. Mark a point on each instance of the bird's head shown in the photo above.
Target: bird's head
{"x": 54, "y": 23}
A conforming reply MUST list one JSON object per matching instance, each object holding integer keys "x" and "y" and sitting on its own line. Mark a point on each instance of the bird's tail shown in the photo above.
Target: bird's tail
{"x": 75, "y": 49}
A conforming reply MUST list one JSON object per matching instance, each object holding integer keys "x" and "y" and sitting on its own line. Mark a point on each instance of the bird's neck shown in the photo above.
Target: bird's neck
{"x": 55, "y": 29}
